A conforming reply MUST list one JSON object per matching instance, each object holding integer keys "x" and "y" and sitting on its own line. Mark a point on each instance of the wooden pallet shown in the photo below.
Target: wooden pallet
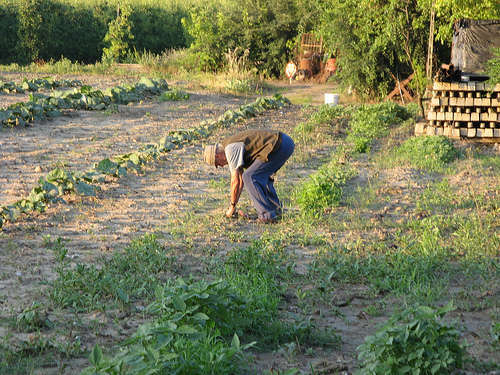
{"x": 463, "y": 110}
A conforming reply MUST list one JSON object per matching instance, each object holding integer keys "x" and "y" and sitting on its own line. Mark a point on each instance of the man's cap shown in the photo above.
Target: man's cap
{"x": 209, "y": 154}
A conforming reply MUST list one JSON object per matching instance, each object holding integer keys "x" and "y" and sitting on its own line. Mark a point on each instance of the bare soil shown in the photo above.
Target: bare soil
{"x": 153, "y": 201}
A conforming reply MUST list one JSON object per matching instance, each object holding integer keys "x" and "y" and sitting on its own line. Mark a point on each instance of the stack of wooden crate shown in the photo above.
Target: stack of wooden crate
{"x": 463, "y": 110}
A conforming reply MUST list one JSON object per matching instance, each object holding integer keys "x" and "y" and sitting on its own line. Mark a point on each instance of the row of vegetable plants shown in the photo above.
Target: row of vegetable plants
{"x": 58, "y": 182}
{"x": 41, "y": 106}
{"x": 37, "y": 84}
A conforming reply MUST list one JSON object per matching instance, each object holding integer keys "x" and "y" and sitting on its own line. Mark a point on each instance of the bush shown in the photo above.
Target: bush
{"x": 413, "y": 342}
{"x": 428, "y": 152}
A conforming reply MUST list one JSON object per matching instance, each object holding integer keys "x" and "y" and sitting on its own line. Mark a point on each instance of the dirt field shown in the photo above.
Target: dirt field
{"x": 180, "y": 191}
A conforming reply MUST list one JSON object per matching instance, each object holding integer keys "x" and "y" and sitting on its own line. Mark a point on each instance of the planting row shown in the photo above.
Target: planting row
{"x": 34, "y": 85}
{"x": 58, "y": 182}
{"x": 42, "y": 106}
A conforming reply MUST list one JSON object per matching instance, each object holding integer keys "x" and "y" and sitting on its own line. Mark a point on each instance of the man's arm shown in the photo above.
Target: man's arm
{"x": 236, "y": 189}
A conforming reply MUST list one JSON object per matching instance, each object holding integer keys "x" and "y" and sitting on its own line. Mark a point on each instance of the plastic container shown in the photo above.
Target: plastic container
{"x": 332, "y": 99}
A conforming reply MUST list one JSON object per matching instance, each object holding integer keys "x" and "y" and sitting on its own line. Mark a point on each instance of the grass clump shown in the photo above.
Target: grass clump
{"x": 130, "y": 274}
{"x": 415, "y": 341}
{"x": 373, "y": 121}
{"x": 427, "y": 152}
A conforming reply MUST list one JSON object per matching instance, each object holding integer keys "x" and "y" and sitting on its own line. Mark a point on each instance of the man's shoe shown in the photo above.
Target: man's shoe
{"x": 267, "y": 221}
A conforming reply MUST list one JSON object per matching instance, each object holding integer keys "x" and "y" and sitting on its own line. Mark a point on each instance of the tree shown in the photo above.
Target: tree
{"x": 30, "y": 37}
{"x": 118, "y": 36}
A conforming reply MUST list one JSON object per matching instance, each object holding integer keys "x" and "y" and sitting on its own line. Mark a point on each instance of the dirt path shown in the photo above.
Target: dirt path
{"x": 80, "y": 139}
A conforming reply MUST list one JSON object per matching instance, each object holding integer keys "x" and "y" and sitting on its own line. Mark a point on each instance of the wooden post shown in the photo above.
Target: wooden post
{"x": 430, "y": 47}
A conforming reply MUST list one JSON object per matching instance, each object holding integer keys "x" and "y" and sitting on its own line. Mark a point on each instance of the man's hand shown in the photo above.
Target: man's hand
{"x": 231, "y": 211}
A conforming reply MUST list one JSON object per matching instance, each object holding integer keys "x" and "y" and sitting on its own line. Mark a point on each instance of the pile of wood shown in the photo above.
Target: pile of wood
{"x": 463, "y": 110}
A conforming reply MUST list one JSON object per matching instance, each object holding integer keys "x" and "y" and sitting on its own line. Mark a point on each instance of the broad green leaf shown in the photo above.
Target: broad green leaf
{"x": 186, "y": 330}
{"x": 235, "y": 343}
{"x": 107, "y": 166}
{"x": 178, "y": 303}
{"x": 96, "y": 355}
{"x": 83, "y": 188}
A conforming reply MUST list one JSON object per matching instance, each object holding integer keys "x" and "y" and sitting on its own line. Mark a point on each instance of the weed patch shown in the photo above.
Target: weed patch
{"x": 429, "y": 153}
{"x": 133, "y": 273}
{"x": 323, "y": 189}
{"x": 261, "y": 273}
{"x": 369, "y": 122}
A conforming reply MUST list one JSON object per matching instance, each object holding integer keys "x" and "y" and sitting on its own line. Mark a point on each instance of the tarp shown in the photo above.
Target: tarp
{"x": 472, "y": 44}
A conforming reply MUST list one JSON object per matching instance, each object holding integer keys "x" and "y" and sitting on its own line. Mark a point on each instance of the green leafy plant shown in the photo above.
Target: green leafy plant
{"x": 184, "y": 337}
{"x": 32, "y": 318}
{"x": 415, "y": 341}
{"x": 427, "y": 152}
{"x": 119, "y": 35}
{"x": 173, "y": 95}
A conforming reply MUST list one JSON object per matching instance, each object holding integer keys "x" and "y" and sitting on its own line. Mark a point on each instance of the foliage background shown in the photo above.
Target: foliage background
{"x": 372, "y": 39}
{"x": 33, "y": 30}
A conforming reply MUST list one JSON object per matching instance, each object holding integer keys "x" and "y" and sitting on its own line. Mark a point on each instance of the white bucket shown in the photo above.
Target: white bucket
{"x": 332, "y": 99}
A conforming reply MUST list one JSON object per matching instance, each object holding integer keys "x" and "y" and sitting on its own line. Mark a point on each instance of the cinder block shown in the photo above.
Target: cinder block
{"x": 471, "y": 86}
{"x": 465, "y": 117}
{"x": 440, "y": 116}
{"x": 469, "y": 102}
{"x": 431, "y": 115}
{"x": 439, "y": 131}
{"x": 435, "y": 102}
{"x": 488, "y": 133}
{"x": 496, "y": 133}
{"x": 441, "y": 85}
{"x": 419, "y": 128}
{"x": 471, "y": 133}
{"x": 429, "y": 130}
{"x": 461, "y": 102}
{"x": 457, "y": 133}
{"x": 448, "y": 116}
{"x": 447, "y": 131}
{"x": 479, "y": 133}
{"x": 480, "y": 86}
{"x": 474, "y": 116}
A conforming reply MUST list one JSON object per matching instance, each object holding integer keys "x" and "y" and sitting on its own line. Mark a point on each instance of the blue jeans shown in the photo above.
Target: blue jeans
{"x": 260, "y": 185}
